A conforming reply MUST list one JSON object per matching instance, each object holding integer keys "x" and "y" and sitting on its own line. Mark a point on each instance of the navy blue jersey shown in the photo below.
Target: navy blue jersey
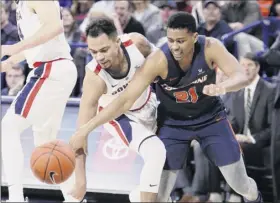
{"x": 180, "y": 94}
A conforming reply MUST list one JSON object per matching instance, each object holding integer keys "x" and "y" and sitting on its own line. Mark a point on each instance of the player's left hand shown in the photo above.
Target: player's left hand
{"x": 213, "y": 90}
{"x": 79, "y": 139}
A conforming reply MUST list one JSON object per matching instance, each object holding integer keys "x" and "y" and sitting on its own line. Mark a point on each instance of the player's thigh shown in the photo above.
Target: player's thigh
{"x": 219, "y": 143}
{"x": 45, "y": 92}
{"x": 48, "y": 130}
{"x": 177, "y": 144}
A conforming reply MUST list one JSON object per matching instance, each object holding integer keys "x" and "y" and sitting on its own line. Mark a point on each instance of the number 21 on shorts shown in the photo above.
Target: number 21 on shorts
{"x": 186, "y": 96}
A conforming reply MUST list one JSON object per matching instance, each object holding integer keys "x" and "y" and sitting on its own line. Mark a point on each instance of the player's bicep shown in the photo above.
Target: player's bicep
{"x": 47, "y": 11}
{"x": 219, "y": 55}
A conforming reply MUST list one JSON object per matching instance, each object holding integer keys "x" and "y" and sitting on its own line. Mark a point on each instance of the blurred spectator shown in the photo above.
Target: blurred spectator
{"x": 213, "y": 25}
{"x": 167, "y": 8}
{"x": 15, "y": 81}
{"x": 197, "y": 12}
{"x": 265, "y": 6}
{"x": 128, "y": 23}
{"x": 149, "y": 16}
{"x": 252, "y": 123}
{"x": 101, "y": 6}
{"x": 184, "y": 5}
{"x": 11, "y": 7}
{"x": 71, "y": 29}
{"x": 240, "y": 13}
{"x": 80, "y": 8}
{"x": 9, "y": 34}
{"x": 275, "y": 9}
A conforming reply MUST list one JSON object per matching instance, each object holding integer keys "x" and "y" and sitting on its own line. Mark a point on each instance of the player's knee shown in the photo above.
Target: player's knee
{"x": 152, "y": 149}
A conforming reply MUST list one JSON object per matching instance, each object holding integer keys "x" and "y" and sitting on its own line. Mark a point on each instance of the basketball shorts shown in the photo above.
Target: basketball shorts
{"x": 216, "y": 139}
{"x": 43, "y": 99}
{"x": 133, "y": 127}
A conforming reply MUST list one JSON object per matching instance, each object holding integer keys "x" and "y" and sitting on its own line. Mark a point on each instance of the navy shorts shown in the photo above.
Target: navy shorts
{"x": 217, "y": 141}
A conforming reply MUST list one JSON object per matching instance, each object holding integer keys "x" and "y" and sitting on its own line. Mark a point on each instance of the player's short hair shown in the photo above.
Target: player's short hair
{"x": 252, "y": 57}
{"x": 102, "y": 25}
{"x": 182, "y": 20}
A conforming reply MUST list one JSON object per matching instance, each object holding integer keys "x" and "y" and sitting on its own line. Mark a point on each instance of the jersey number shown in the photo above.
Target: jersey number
{"x": 186, "y": 96}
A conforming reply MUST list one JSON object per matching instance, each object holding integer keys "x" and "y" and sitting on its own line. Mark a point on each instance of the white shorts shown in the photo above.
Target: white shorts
{"x": 132, "y": 128}
{"x": 43, "y": 99}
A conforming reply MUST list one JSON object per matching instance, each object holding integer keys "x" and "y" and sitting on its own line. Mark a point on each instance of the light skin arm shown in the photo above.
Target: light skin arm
{"x": 49, "y": 17}
{"x": 141, "y": 42}
{"x": 93, "y": 88}
{"x": 11, "y": 61}
{"x": 155, "y": 65}
{"x": 217, "y": 53}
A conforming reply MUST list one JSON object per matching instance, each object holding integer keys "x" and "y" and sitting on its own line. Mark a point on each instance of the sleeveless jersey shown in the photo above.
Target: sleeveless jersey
{"x": 116, "y": 86}
{"x": 28, "y": 24}
{"x": 180, "y": 94}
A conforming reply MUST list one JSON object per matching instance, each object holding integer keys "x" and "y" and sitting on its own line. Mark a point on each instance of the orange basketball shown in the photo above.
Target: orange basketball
{"x": 53, "y": 162}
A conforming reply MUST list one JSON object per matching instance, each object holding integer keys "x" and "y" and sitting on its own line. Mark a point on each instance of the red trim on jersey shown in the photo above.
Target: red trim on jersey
{"x": 39, "y": 63}
{"x": 117, "y": 127}
{"x": 127, "y": 43}
{"x": 36, "y": 89}
{"x": 97, "y": 69}
{"x": 149, "y": 96}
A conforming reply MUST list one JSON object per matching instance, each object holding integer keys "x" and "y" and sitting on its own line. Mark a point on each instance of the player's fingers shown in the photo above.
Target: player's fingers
{"x": 205, "y": 90}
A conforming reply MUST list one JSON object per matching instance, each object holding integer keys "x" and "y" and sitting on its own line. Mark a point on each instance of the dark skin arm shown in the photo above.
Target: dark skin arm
{"x": 216, "y": 53}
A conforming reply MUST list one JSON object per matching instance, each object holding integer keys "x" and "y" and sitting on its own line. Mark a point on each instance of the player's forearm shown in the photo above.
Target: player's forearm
{"x": 118, "y": 107}
{"x": 236, "y": 82}
{"x": 80, "y": 168}
{"x": 86, "y": 113}
{"x": 43, "y": 35}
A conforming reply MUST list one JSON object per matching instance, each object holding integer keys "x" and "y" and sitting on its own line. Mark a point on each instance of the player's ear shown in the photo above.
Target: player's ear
{"x": 119, "y": 40}
{"x": 195, "y": 37}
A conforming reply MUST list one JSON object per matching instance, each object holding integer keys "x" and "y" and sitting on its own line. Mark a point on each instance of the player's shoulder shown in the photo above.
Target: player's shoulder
{"x": 211, "y": 42}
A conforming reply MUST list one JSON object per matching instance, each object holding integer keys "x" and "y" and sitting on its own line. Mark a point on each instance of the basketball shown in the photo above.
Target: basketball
{"x": 53, "y": 162}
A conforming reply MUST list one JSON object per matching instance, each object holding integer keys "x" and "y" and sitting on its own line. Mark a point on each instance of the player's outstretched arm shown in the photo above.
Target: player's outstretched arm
{"x": 50, "y": 18}
{"x": 93, "y": 88}
{"x": 216, "y": 53}
{"x": 152, "y": 67}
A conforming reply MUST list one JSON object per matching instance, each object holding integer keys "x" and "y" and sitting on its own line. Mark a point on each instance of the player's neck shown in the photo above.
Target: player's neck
{"x": 120, "y": 67}
{"x": 186, "y": 61}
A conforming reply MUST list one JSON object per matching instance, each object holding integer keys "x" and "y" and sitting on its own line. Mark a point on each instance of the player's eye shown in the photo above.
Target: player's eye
{"x": 181, "y": 41}
{"x": 170, "y": 40}
{"x": 104, "y": 50}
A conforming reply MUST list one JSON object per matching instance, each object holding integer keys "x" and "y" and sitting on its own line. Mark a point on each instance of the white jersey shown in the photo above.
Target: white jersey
{"x": 116, "y": 86}
{"x": 28, "y": 24}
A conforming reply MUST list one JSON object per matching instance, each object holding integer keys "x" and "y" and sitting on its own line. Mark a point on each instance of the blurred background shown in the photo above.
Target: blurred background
{"x": 249, "y": 29}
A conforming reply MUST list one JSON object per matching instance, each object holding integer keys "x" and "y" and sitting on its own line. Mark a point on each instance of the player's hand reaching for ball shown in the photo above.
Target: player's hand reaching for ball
{"x": 79, "y": 139}
{"x": 213, "y": 90}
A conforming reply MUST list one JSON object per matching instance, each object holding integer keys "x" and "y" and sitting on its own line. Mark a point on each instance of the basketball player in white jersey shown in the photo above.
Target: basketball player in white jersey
{"x": 116, "y": 59}
{"x": 41, "y": 102}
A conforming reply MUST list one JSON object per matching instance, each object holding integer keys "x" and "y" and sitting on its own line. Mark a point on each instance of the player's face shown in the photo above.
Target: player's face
{"x": 104, "y": 49}
{"x": 181, "y": 42}
{"x": 251, "y": 68}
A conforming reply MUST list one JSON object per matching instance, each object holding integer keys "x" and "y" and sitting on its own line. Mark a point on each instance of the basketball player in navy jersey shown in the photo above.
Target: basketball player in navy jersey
{"x": 190, "y": 107}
